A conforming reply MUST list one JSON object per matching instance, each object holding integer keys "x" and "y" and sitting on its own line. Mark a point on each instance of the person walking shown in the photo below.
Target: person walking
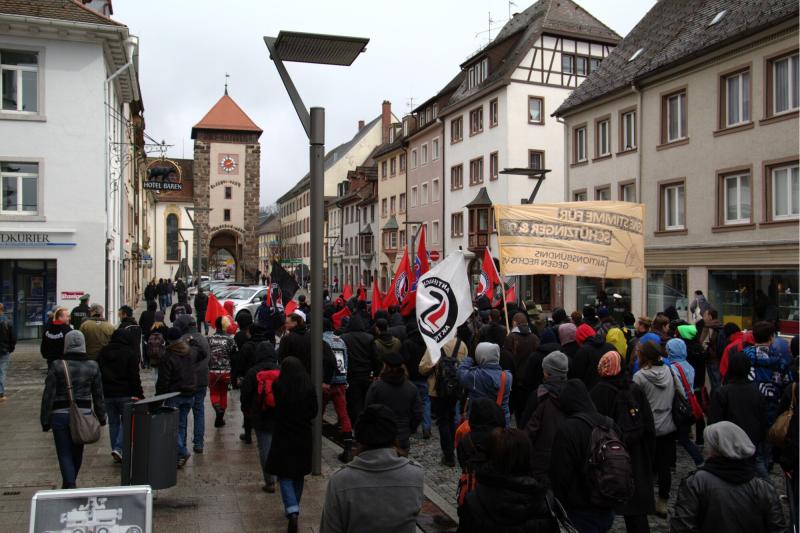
{"x": 378, "y": 487}
{"x": 150, "y": 292}
{"x": 146, "y": 320}
{"x": 482, "y": 376}
{"x": 181, "y": 307}
{"x": 176, "y": 373}
{"x": 725, "y": 494}
{"x": 52, "y": 345}
{"x": 520, "y": 345}
{"x": 131, "y": 328}
{"x": 96, "y": 330}
{"x": 170, "y": 287}
{"x": 222, "y": 349}
{"x": 161, "y": 292}
{"x": 362, "y": 366}
{"x": 200, "y": 307}
{"x": 156, "y": 341}
{"x": 335, "y": 391}
{"x": 567, "y": 337}
{"x": 119, "y": 368}
{"x": 80, "y": 312}
{"x": 546, "y": 413}
{"x": 201, "y": 354}
{"x": 8, "y": 342}
{"x": 592, "y": 346}
{"x": 71, "y": 373}
{"x": 182, "y": 290}
{"x": 657, "y": 381}
{"x": 484, "y": 416}
{"x": 413, "y": 348}
{"x": 712, "y": 338}
{"x": 290, "y": 453}
{"x": 394, "y": 390}
{"x": 676, "y": 351}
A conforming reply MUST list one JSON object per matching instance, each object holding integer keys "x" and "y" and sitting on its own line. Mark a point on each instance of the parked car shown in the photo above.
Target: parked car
{"x": 246, "y": 299}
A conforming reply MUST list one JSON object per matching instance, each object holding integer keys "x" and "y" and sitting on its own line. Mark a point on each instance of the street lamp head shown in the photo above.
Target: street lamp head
{"x": 317, "y": 48}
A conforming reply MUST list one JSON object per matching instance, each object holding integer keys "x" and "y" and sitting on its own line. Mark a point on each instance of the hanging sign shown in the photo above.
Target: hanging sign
{"x": 163, "y": 175}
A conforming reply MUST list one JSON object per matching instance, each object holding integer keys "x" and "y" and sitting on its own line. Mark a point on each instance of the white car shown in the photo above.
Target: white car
{"x": 246, "y": 300}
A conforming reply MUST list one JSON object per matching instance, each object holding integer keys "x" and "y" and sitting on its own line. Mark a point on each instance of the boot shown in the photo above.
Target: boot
{"x": 219, "y": 421}
{"x": 662, "y": 507}
{"x": 347, "y": 453}
{"x": 292, "y": 523}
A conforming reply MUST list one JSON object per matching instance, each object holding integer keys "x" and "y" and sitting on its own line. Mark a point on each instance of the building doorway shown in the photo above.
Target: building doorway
{"x": 28, "y": 292}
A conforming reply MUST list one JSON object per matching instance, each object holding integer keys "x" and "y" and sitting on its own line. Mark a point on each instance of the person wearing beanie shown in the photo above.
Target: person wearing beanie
{"x": 377, "y": 487}
{"x": 725, "y": 494}
{"x": 567, "y": 338}
{"x": 584, "y": 362}
{"x": 627, "y": 405}
{"x": 87, "y": 393}
{"x": 543, "y": 413}
{"x": 482, "y": 376}
{"x": 176, "y": 373}
{"x": 584, "y": 332}
{"x": 96, "y": 330}
{"x": 131, "y": 328}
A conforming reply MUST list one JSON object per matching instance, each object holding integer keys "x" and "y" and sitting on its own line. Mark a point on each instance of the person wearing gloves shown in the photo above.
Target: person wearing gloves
{"x": 482, "y": 377}
{"x": 377, "y": 487}
{"x": 87, "y": 392}
{"x": 725, "y": 494}
{"x": 676, "y": 351}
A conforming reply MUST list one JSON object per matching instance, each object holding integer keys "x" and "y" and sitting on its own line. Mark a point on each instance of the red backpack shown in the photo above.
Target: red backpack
{"x": 266, "y": 396}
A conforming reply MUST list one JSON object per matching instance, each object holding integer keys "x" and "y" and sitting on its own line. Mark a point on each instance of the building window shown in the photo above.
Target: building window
{"x": 493, "y": 165}
{"x": 384, "y": 208}
{"x": 603, "y": 138}
{"x": 735, "y": 93}
{"x": 736, "y": 200}
{"x": 226, "y": 215}
{"x": 173, "y": 251}
{"x": 535, "y": 110}
{"x": 628, "y": 131}
{"x": 20, "y": 182}
{"x": 393, "y": 166}
{"x": 602, "y": 193}
{"x": 476, "y": 171}
{"x": 435, "y": 193}
{"x": 228, "y": 192}
{"x": 414, "y": 198}
{"x": 627, "y": 192}
{"x": 393, "y": 205}
{"x": 477, "y": 73}
{"x": 493, "y": 113}
{"x": 752, "y": 295}
{"x": 567, "y": 64}
{"x": 783, "y": 84}
{"x": 425, "y": 154}
{"x": 414, "y": 158}
{"x": 579, "y": 196}
{"x": 667, "y": 288}
{"x": 479, "y": 227}
{"x": 402, "y": 162}
{"x": 579, "y": 143}
{"x": 785, "y": 197}
{"x": 435, "y": 111}
{"x": 673, "y": 204}
{"x": 582, "y": 65}
{"x": 673, "y": 117}
{"x": 384, "y": 174}
{"x": 435, "y": 232}
{"x": 536, "y": 159}
{"x": 435, "y": 149}
{"x": 476, "y": 121}
{"x": 456, "y": 177}
{"x": 402, "y": 237}
{"x": 19, "y": 80}
{"x": 402, "y": 203}
{"x": 457, "y": 225}
{"x": 424, "y": 194}
{"x": 594, "y": 63}
{"x": 456, "y": 129}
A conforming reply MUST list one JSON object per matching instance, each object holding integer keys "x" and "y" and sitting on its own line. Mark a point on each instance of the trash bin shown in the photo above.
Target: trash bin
{"x": 149, "y": 447}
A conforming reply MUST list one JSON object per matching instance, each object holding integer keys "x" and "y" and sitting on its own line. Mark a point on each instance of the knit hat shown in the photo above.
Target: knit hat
{"x": 159, "y": 316}
{"x": 376, "y": 427}
{"x": 487, "y": 353}
{"x": 74, "y": 342}
{"x": 610, "y": 364}
{"x": 726, "y": 439}
{"x": 585, "y": 331}
{"x": 173, "y": 334}
{"x": 687, "y": 331}
{"x": 566, "y": 333}
{"x": 556, "y": 363}
{"x": 393, "y": 359}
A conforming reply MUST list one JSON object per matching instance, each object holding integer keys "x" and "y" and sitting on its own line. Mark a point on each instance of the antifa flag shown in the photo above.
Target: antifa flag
{"x": 489, "y": 277}
{"x": 400, "y": 283}
{"x": 284, "y": 280}
{"x": 443, "y": 302}
{"x": 421, "y": 264}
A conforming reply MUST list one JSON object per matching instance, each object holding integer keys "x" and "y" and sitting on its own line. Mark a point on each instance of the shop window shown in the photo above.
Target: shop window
{"x": 615, "y": 294}
{"x": 667, "y": 288}
{"x": 745, "y": 297}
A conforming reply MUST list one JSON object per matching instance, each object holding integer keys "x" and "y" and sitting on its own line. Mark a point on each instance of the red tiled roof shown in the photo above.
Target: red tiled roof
{"x": 69, "y": 10}
{"x": 225, "y": 115}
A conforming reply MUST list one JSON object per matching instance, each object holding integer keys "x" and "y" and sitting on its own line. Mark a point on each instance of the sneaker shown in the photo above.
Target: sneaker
{"x": 182, "y": 461}
{"x": 426, "y": 434}
{"x": 198, "y": 450}
{"x": 247, "y": 439}
{"x": 117, "y": 456}
{"x": 292, "y": 526}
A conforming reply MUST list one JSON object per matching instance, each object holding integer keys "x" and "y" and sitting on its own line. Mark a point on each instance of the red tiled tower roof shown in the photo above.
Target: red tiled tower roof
{"x": 226, "y": 115}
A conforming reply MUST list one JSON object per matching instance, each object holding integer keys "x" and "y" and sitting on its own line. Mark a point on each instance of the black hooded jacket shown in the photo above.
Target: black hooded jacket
{"x": 119, "y": 368}
{"x": 361, "y": 360}
{"x": 265, "y": 359}
{"x": 739, "y": 401}
{"x": 583, "y": 365}
{"x": 484, "y": 416}
{"x": 412, "y": 350}
{"x": 245, "y": 358}
{"x": 298, "y": 344}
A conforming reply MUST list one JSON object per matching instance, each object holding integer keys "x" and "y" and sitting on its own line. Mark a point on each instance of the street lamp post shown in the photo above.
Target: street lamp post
{"x": 326, "y": 50}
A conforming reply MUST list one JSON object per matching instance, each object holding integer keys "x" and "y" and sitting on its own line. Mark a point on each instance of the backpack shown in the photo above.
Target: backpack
{"x": 608, "y": 467}
{"x": 178, "y": 310}
{"x": 447, "y": 384}
{"x": 468, "y": 480}
{"x": 265, "y": 380}
{"x": 155, "y": 347}
{"x": 628, "y": 416}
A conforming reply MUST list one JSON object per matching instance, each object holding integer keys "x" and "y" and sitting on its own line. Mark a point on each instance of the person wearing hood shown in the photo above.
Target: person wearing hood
{"x": 676, "y": 351}
{"x": 201, "y": 354}
{"x": 362, "y": 365}
{"x": 484, "y": 416}
{"x": 200, "y": 307}
{"x": 493, "y": 331}
{"x": 519, "y": 347}
{"x": 52, "y": 345}
{"x": 592, "y": 346}
{"x": 507, "y": 497}
{"x": 656, "y": 380}
{"x": 394, "y": 390}
{"x": 384, "y": 342}
{"x": 567, "y": 336}
{"x": 8, "y": 341}
{"x": 738, "y": 340}
{"x": 397, "y": 325}
{"x": 377, "y": 487}
{"x": 644, "y": 339}
{"x": 533, "y": 377}
{"x": 627, "y": 405}
{"x": 87, "y": 393}
{"x": 261, "y": 418}
{"x": 616, "y": 338}
{"x": 725, "y": 494}
{"x": 96, "y": 330}
{"x": 482, "y": 377}
{"x": 119, "y": 367}
{"x": 546, "y": 413}
{"x": 412, "y": 351}
{"x": 222, "y": 349}
{"x": 567, "y": 467}
{"x": 242, "y": 362}
{"x": 176, "y": 373}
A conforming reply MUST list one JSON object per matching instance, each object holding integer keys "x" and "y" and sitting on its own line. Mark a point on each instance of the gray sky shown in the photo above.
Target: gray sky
{"x": 187, "y": 46}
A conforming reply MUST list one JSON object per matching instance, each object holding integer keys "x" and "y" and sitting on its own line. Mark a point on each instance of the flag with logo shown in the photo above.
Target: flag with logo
{"x": 489, "y": 277}
{"x": 421, "y": 264}
{"x": 443, "y": 302}
{"x": 400, "y": 283}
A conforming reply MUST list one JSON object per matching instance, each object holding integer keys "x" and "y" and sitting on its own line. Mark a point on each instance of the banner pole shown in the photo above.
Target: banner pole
{"x": 505, "y": 304}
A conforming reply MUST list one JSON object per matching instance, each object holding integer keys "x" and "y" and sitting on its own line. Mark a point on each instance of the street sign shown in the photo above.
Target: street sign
{"x": 434, "y": 255}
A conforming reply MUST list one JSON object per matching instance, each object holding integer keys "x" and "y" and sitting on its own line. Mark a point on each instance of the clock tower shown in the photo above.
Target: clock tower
{"x": 227, "y": 157}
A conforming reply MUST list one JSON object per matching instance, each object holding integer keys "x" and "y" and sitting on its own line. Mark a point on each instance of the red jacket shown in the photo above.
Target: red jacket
{"x": 738, "y": 341}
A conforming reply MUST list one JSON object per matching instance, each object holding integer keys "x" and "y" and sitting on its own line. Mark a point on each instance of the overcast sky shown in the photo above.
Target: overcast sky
{"x": 187, "y": 46}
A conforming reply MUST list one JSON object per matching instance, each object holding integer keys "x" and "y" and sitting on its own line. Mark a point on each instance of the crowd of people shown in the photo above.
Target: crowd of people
{"x": 547, "y": 424}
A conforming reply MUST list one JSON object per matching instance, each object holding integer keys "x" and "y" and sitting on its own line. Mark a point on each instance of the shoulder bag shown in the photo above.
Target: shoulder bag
{"x": 84, "y": 429}
{"x": 780, "y": 428}
{"x": 681, "y": 408}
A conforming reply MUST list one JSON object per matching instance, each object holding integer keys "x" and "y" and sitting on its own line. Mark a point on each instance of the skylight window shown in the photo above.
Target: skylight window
{"x": 718, "y": 17}
{"x": 636, "y": 54}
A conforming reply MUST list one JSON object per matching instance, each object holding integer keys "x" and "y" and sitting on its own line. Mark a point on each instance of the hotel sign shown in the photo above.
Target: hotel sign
{"x": 163, "y": 175}
{"x": 29, "y": 239}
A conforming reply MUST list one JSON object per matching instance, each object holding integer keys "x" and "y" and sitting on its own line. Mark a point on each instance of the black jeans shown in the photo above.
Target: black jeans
{"x": 664, "y": 459}
{"x": 445, "y": 409}
{"x": 356, "y": 396}
{"x": 637, "y": 523}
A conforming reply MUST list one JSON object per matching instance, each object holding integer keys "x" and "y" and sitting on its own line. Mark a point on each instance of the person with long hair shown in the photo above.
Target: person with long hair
{"x": 290, "y": 452}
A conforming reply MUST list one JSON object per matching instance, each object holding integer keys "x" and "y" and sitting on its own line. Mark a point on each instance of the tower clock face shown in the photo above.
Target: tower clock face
{"x": 228, "y": 164}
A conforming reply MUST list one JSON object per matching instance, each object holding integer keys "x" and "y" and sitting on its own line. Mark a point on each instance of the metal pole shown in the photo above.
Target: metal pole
{"x": 317, "y": 156}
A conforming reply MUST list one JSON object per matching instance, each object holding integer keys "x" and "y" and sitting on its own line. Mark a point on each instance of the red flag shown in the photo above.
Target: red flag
{"x": 511, "y": 294}
{"x": 400, "y": 282}
{"x": 489, "y": 277}
{"x": 409, "y": 305}
{"x": 290, "y": 307}
{"x": 421, "y": 264}
{"x": 214, "y": 309}
{"x": 347, "y": 292}
{"x": 337, "y": 317}
{"x": 362, "y": 293}
{"x": 377, "y": 298}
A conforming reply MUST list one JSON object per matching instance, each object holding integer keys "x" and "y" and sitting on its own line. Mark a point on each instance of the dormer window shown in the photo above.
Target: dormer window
{"x": 477, "y": 73}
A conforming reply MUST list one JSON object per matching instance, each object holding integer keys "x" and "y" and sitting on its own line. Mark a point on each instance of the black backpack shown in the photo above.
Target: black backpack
{"x": 628, "y": 417}
{"x": 447, "y": 384}
{"x": 608, "y": 467}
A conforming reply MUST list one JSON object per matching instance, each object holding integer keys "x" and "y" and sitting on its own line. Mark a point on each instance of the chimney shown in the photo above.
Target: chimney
{"x": 360, "y": 125}
{"x": 386, "y": 120}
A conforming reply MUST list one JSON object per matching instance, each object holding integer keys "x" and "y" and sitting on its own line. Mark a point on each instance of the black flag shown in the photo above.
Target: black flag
{"x": 284, "y": 280}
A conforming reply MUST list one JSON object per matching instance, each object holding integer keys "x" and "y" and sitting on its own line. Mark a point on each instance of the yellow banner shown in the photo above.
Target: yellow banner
{"x": 593, "y": 239}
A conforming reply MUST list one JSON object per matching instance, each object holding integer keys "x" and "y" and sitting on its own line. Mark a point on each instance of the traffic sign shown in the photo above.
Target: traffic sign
{"x": 434, "y": 255}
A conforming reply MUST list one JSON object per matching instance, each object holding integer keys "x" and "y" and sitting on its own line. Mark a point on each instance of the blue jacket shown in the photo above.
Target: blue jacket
{"x": 484, "y": 382}
{"x": 676, "y": 352}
